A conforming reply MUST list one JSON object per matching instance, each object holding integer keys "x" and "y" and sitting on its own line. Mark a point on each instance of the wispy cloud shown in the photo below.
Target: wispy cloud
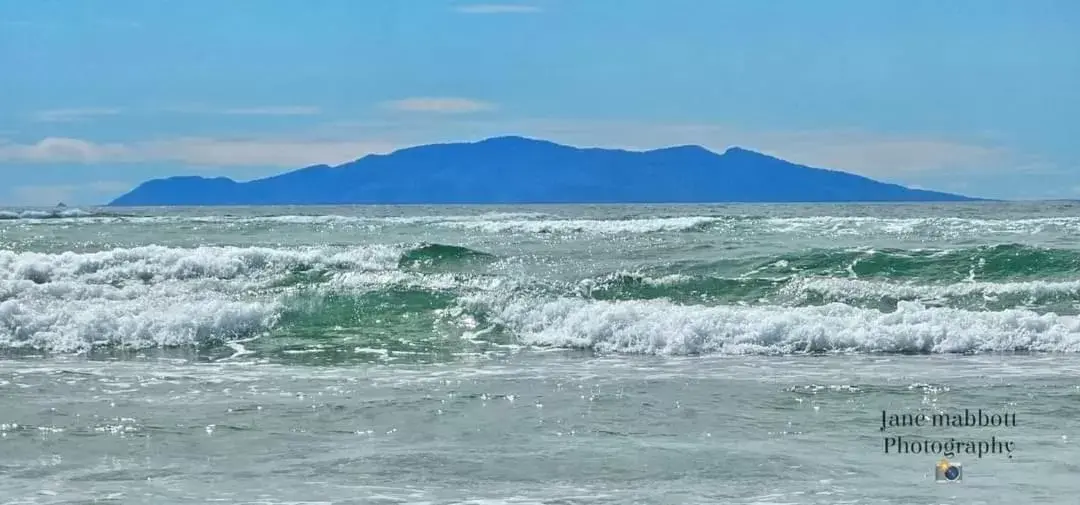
{"x": 498, "y": 9}
{"x": 73, "y": 115}
{"x": 195, "y": 151}
{"x": 61, "y": 150}
{"x": 441, "y": 105}
{"x": 906, "y": 159}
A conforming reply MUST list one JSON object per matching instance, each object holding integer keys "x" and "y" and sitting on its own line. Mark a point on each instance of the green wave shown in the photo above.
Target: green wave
{"x": 679, "y": 288}
{"x": 424, "y": 257}
{"x": 435, "y": 255}
{"x": 980, "y": 278}
{"x": 393, "y": 324}
{"x": 990, "y": 263}
{"x": 425, "y": 314}
{"x": 379, "y": 318}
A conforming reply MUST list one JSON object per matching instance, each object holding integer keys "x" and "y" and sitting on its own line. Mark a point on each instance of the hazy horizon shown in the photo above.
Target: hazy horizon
{"x": 975, "y": 98}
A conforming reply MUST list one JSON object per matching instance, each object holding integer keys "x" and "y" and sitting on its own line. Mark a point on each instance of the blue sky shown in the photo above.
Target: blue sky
{"x": 973, "y": 96}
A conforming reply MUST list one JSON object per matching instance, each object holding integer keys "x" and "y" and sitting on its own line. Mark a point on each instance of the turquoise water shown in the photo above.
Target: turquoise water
{"x": 533, "y": 354}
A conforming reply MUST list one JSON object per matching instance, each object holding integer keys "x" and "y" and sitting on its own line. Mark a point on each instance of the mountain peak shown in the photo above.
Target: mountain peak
{"x": 741, "y": 151}
{"x": 514, "y": 169}
{"x": 512, "y": 139}
{"x": 687, "y": 148}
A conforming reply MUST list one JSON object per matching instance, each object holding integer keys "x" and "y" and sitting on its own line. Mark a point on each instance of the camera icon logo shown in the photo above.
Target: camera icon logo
{"x": 947, "y": 471}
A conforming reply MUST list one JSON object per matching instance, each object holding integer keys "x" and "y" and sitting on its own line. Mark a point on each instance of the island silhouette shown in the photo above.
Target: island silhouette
{"x": 519, "y": 170}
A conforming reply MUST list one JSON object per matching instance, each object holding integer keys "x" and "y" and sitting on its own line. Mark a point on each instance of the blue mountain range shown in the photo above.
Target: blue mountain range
{"x": 517, "y": 170}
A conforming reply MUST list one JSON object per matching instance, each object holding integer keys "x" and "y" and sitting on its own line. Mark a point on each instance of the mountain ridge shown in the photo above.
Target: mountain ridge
{"x": 520, "y": 170}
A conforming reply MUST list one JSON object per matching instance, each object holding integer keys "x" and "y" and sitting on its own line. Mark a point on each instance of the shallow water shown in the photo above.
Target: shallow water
{"x": 585, "y": 354}
{"x": 537, "y": 429}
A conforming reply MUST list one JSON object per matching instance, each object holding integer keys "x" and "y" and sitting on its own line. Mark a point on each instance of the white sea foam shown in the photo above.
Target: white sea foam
{"x": 153, "y": 263}
{"x": 161, "y": 296}
{"x": 43, "y": 214}
{"x": 148, "y": 321}
{"x": 838, "y": 289}
{"x": 662, "y": 327}
{"x": 599, "y": 226}
{"x": 352, "y": 281}
{"x": 656, "y": 281}
{"x": 102, "y": 217}
{"x": 537, "y": 222}
{"x": 827, "y": 226}
{"x": 155, "y": 296}
{"x": 334, "y": 219}
{"x": 923, "y": 226}
{"x": 797, "y": 289}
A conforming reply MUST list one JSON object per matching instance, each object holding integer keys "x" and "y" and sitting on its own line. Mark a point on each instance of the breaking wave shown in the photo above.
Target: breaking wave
{"x": 60, "y": 213}
{"x": 545, "y": 223}
{"x": 987, "y": 262}
{"x": 158, "y": 296}
{"x": 662, "y": 327}
{"x": 438, "y": 297}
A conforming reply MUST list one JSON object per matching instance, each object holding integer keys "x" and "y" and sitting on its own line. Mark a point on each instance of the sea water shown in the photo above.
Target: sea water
{"x": 732, "y": 354}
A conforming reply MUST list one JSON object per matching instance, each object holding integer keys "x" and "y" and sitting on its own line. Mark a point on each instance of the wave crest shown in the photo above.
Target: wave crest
{"x": 664, "y": 328}
{"x": 155, "y": 296}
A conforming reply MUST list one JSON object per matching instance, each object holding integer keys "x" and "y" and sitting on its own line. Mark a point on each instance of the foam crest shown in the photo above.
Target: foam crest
{"x": 98, "y": 217}
{"x": 44, "y": 214}
{"x": 835, "y": 289}
{"x": 538, "y": 222}
{"x": 599, "y": 226}
{"x": 157, "y": 263}
{"x": 156, "y": 296}
{"x": 73, "y": 326}
{"x": 366, "y": 281}
{"x": 335, "y": 219}
{"x": 941, "y": 227}
{"x": 664, "y": 328}
{"x": 831, "y": 226}
{"x": 799, "y": 290}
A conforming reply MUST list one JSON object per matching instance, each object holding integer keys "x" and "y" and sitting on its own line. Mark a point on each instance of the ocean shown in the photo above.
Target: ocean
{"x": 690, "y": 354}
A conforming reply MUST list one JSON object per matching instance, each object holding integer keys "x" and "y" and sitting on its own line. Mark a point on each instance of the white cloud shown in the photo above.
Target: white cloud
{"x": 70, "y": 194}
{"x": 195, "y": 151}
{"x": 925, "y": 161}
{"x": 62, "y": 150}
{"x": 498, "y": 9}
{"x": 442, "y": 105}
{"x": 72, "y": 115}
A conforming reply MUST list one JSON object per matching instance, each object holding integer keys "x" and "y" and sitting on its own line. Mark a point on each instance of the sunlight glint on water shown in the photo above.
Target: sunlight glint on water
{"x": 586, "y": 354}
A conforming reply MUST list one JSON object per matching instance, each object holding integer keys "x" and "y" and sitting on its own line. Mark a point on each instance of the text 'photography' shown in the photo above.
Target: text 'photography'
{"x": 937, "y": 424}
